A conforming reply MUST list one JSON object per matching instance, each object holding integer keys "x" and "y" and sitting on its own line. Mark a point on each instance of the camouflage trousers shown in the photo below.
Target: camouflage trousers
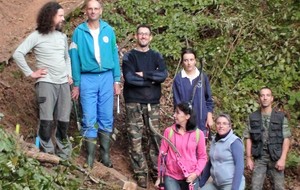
{"x": 265, "y": 166}
{"x": 143, "y": 143}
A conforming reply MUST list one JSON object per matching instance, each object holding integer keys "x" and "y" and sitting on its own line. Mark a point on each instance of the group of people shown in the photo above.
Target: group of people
{"x": 177, "y": 159}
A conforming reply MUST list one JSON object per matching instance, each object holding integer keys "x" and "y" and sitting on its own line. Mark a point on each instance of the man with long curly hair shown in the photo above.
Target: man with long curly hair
{"x": 53, "y": 77}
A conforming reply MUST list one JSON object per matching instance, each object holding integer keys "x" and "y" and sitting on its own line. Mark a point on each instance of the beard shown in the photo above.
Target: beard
{"x": 59, "y": 26}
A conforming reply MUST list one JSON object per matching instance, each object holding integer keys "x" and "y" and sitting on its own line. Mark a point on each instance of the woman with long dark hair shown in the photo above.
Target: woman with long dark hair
{"x": 185, "y": 155}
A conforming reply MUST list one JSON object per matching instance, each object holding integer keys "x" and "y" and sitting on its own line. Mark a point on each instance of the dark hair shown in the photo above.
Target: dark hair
{"x": 263, "y": 88}
{"x": 45, "y": 17}
{"x": 187, "y": 50}
{"x": 143, "y": 26}
{"x": 186, "y": 108}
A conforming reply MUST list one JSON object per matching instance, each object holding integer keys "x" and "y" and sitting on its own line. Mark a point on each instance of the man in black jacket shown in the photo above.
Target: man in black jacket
{"x": 267, "y": 141}
{"x": 144, "y": 70}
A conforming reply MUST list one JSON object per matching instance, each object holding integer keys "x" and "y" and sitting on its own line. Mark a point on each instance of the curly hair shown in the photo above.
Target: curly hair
{"x": 45, "y": 17}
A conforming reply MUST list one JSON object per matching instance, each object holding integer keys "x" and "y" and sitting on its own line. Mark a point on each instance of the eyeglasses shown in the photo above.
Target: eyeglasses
{"x": 222, "y": 123}
{"x": 143, "y": 34}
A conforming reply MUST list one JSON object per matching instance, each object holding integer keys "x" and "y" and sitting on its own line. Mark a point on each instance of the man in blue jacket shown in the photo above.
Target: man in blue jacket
{"x": 96, "y": 75}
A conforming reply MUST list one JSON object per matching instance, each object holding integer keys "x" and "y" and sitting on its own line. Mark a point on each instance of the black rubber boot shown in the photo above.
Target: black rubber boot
{"x": 91, "y": 144}
{"x": 104, "y": 139}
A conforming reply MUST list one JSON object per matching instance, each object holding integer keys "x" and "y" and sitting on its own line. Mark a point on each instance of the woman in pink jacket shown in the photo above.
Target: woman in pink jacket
{"x": 179, "y": 166}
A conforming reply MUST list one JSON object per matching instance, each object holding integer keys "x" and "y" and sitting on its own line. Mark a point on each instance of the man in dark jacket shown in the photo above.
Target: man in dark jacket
{"x": 144, "y": 70}
{"x": 267, "y": 141}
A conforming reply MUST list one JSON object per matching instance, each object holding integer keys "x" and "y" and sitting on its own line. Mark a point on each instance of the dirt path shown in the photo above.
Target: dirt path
{"x": 17, "y": 18}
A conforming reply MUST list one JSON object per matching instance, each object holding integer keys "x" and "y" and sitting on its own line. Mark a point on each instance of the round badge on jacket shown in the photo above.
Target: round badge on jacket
{"x": 105, "y": 39}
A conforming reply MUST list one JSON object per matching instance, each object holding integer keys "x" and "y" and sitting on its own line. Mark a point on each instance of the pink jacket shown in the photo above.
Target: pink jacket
{"x": 193, "y": 155}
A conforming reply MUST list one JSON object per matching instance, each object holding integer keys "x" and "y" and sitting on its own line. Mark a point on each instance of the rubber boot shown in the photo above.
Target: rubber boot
{"x": 91, "y": 144}
{"x": 104, "y": 139}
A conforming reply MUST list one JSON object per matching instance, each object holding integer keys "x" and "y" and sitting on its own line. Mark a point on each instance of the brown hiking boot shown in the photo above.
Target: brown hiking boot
{"x": 142, "y": 181}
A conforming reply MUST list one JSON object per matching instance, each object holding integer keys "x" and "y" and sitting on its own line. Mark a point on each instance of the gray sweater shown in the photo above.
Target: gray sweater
{"x": 51, "y": 52}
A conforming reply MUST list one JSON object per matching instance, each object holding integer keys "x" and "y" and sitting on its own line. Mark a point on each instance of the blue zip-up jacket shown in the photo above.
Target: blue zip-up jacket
{"x": 83, "y": 56}
{"x": 183, "y": 90}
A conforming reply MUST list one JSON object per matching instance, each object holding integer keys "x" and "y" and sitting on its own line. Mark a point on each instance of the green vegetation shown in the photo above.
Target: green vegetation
{"x": 293, "y": 160}
{"x": 246, "y": 45}
{"x": 20, "y": 172}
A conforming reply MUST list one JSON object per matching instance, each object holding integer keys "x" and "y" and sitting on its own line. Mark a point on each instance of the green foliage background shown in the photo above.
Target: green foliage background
{"x": 246, "y": 45}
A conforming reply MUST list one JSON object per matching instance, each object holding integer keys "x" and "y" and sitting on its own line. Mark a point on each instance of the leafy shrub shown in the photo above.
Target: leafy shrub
{"x": 293, "y": 160}
{"x": 246, "y": 44}
{"x": 20, "y": 172}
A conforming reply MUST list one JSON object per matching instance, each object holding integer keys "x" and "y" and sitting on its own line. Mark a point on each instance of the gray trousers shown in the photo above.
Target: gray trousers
{"x": 55, "y": 103}
{"x": 263, "y": 166}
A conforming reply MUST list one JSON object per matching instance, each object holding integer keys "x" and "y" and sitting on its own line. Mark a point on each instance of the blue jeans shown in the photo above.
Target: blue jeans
{"x": 213, "y": 186}
{"x": 173, "y": 184}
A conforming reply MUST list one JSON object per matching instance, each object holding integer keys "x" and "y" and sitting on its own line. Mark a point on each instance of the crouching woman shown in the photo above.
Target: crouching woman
{"x": 183, "y": 158}
{"x": 226, "y": 159}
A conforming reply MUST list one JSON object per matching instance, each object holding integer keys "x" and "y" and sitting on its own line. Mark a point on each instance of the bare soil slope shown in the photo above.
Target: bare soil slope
{"x": 18, "y": 20}
{"x": 17, "y": 98}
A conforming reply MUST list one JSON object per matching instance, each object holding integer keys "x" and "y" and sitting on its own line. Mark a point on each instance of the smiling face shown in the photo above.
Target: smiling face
{"x": 266, "y": 98}
{"x": 93, "y": 10}
{"x": 189, "y": 62}
{"x": 143, "y": 37}
{"x": 223, "y": 125}
{"x": 59, "y": 19}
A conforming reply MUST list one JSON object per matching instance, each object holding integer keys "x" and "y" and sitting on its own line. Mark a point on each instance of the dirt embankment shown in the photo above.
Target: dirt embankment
{"x": 17, "y": 18}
